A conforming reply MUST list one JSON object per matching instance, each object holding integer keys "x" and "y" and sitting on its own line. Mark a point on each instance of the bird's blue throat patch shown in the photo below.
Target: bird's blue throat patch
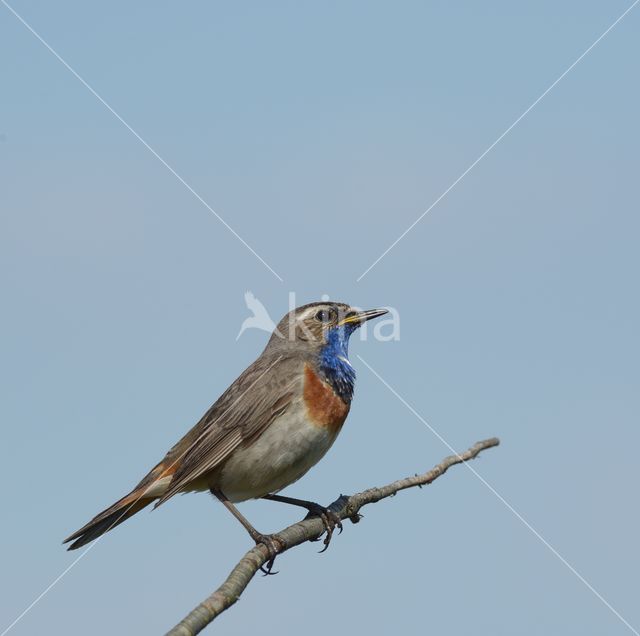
{"x": 333, "y": 362}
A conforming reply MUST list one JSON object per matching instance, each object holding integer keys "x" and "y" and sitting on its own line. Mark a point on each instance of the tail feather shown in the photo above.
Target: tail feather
{"x": 152, "y": 486}
{"x": 109, "y": 518}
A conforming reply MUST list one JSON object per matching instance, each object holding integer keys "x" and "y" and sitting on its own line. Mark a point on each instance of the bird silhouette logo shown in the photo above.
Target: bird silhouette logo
{"x": 260, "y": 318}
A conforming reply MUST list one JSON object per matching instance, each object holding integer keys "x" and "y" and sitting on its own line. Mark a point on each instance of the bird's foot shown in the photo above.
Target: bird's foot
{"x": 330, "y": 519}
{"x": 274, "y": 545}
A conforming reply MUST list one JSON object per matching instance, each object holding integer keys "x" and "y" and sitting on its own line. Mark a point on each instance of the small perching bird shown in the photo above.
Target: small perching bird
{"x": 275, "y": 422}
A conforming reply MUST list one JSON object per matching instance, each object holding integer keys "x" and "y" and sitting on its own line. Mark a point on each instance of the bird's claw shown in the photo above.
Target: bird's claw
{"x": 274, "y": 545}
{"x": 330, "y": 520}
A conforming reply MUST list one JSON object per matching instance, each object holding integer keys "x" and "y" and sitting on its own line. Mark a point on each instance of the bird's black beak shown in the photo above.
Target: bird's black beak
{"x": 358, "y": 317}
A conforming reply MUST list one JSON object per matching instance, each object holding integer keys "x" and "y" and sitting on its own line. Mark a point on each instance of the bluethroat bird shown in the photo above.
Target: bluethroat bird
{"x": 276, "y": 421}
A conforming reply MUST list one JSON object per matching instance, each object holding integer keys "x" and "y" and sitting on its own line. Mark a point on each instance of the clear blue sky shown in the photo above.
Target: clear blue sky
{"x": 320, "y": 132}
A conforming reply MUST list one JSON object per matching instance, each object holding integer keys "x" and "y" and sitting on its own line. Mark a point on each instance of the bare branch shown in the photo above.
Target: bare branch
{"x": 308, "y": 529}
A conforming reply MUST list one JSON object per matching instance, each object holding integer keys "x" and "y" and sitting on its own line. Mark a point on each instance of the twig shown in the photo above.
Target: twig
{"x": 307, "y": 529}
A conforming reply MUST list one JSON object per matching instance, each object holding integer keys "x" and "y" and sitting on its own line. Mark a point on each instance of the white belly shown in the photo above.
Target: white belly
{"x": 284, "y": 452}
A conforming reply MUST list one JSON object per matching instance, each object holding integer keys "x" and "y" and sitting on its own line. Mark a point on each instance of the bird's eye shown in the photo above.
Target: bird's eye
{"x": 325, "y": 315}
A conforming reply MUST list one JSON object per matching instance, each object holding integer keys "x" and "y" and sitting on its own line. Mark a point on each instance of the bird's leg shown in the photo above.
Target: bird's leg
{"x": 271, "y": 541}
{"x": 330, "y": 519}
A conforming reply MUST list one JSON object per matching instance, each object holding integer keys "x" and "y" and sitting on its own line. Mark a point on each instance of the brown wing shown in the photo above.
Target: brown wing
{"x": 243, "y": 411}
